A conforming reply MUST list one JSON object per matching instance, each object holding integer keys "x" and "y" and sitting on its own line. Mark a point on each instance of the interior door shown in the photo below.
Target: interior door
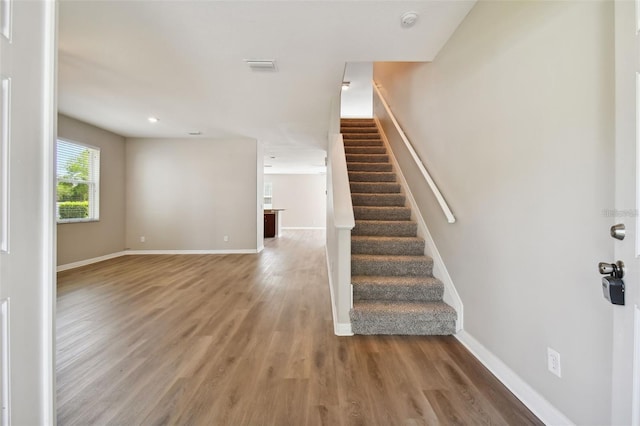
{"x": 27, "y": 224}
{"x": 626, "y": 318}
{"x": 5, "y": 91}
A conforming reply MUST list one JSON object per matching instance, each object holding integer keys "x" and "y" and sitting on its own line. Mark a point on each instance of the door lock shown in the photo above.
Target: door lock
{"x": 614, "y": 269}
{"x": 618, "y": 231}
{"x": 612, "y": 284}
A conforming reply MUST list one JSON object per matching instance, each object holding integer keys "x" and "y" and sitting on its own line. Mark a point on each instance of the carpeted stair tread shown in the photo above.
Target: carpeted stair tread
{"x": 407, "y": 318}
{"x": 381, "y": 213}
{"x": 398, "y": 228}
{"x": 364, "y": 199}
{"x": 354, "y": 166}
{"x": 362, "y": 142}
{"x": 360, "y": 136}
{"x": 372, "y": 177}
{"x": 423, "y": 289}
{"x": 365, "y": 149}
{"x": 375, "y": 187}
{"x": 386, "y": 265}
{"x": 403, "y": 246}
{"x": 359, "y": 129}
{"x": 367, "y": 158}
{"x": 391, "y": 281}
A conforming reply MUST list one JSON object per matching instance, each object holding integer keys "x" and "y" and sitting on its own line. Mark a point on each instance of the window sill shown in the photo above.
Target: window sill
{"x": 65, "y": 221}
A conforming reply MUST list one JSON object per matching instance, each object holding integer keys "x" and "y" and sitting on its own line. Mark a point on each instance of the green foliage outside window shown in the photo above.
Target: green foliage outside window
{"x": 73, "y": 209}
{"x": 76, "y": 169}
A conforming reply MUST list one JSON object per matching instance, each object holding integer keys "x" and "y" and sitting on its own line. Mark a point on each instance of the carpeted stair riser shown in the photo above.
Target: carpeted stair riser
{"x": 401, "y": 228}
{"x": 365, "y": 150}
{"x": 409, "y": 318}
{"x": 367, "y": 158}
{"x": 373, "y": 325}
{"x": 362, "y": 142}
{"x": 381, "y": 213}
{"x": 397, "y": 246}
{"x": 421, "y": 289}
{"x": 359, "y": 130}
{"x": 372, "y": 177}
{"x": 375, "y": 187}
{"x": 419, "y": 311}
{"x": 412, "y": 266}
{"x": 345, "y": 127}
{"x": 369, "y": 167}
{"x": 357, "y": 122}
{"x": 377, "y": 199}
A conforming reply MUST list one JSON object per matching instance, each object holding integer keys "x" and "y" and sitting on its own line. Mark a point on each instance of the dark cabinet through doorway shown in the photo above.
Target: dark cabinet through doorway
{"x": 269, "y": 225}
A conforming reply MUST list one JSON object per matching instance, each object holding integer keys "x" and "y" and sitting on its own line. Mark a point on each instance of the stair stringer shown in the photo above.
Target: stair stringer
{"x": 451, "y": 296}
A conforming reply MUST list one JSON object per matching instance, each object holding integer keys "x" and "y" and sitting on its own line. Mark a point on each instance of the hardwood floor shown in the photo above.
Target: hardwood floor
{"x": 248, "y": 340}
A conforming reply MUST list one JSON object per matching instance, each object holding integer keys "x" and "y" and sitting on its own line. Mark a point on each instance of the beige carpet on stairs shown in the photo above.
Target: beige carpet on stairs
{"x": 394, "y": 290}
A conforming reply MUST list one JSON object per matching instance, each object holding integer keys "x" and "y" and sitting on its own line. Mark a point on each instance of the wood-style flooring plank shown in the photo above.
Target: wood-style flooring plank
{"x": 248, "y": 340}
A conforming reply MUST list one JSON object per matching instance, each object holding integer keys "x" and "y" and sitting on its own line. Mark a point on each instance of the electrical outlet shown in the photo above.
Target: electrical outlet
{"x": 143, "y": 239}
{"x": 553, "y": 362}
{"x": 226, "y": 238}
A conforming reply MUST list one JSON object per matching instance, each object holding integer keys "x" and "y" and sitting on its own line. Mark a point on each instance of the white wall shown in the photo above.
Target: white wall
{"x": 86, "y": 240}
{"x": 514, "y": 119}
{"x": 187, "y": 194}
{"x": 357, "y": 101}
{"x": 303, "y": 197}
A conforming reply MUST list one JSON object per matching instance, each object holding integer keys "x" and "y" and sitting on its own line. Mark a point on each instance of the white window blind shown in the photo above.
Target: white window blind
{"x": 78, "y": 182}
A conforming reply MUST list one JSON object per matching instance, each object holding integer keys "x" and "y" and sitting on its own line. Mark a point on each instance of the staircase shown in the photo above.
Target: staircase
{"x": 394, "y": 291}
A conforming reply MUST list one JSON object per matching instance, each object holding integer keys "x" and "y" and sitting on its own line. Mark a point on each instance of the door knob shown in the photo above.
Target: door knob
{"x": 614, "y": 269}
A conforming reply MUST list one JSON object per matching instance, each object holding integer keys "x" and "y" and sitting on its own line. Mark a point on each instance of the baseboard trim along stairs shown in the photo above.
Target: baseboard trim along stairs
{"x": 394, "y": 290}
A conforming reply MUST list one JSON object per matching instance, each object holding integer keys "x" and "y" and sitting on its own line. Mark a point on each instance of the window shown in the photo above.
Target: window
{"x": 268, "y": 195}
{"x": 78, "y": 182}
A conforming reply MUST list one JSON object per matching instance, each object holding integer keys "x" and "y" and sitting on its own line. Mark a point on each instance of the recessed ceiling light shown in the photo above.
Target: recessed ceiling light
{"x": 408, "y": 19}
{"x": 196, "y": 133}
{"x": 153, "y": 119}
{"x": 272, "y": 157}
{"x": 346, "y": 85}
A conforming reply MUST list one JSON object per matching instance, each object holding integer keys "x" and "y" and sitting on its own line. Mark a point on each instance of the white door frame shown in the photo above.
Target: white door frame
{"x": 50, "y": 133}
{"x": 625, "y": 386}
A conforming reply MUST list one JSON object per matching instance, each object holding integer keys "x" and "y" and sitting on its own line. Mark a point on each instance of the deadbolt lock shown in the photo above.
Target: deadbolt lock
{"x": 618, "y": 231}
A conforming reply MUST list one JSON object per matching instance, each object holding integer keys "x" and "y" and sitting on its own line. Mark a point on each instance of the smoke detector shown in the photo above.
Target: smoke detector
{"x": 408, "y": 19}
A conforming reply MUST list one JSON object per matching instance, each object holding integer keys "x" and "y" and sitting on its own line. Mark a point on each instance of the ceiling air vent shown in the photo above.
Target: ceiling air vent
{"x": 261, "y": 65}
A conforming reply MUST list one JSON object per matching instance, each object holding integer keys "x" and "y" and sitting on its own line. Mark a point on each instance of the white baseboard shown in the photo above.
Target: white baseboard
{"x": 86, "y": 262}
{"x": 542, "y": 408}
{"x": 342, "y": 329}
{"x": 339, "y": 328}
{"x": 304, "y": 227}
{"x": 238, "y": 251}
